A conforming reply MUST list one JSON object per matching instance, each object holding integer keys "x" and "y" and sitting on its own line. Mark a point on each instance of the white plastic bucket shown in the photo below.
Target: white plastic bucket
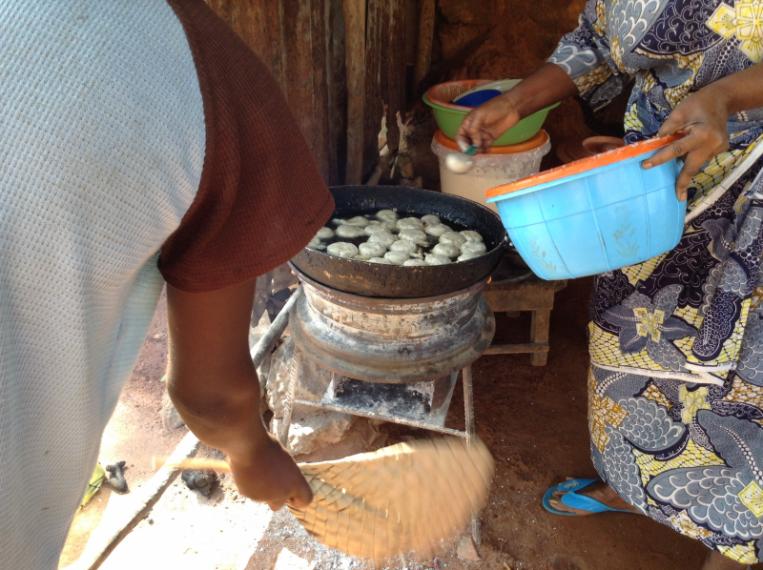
{"x": 500, "y": 165}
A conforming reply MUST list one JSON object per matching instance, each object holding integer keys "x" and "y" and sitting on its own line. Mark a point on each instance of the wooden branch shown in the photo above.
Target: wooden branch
{"x": 198, "y": 464}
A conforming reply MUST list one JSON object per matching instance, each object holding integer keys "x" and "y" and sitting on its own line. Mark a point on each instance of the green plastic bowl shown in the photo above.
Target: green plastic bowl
{"x": 449, "y": 116}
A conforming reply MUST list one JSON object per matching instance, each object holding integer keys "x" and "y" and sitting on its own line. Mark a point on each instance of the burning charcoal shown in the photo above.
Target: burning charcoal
{"x": 115, "y": 477}
{"x": 400, "y": 399}
{"x": 204, "y": 482}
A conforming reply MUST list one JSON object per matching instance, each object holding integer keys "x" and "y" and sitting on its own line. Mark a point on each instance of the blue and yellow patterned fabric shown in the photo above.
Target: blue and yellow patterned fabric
{"x": 676, "y": 384}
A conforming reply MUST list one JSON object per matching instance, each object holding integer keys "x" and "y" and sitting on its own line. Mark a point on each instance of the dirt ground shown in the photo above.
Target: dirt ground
{"x": 533, "y": 420}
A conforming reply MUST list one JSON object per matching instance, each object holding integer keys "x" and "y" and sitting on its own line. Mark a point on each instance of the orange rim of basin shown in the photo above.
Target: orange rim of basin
{"x": 537, "y": 141}
{"x": 583, "y": 165}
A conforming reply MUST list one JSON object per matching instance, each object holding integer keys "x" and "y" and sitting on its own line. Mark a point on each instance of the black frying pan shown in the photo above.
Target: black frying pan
{"x": 393, "y": 281}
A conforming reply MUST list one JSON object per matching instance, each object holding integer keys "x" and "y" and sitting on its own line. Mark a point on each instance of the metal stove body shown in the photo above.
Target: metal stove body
{"x": 396, "y": 360}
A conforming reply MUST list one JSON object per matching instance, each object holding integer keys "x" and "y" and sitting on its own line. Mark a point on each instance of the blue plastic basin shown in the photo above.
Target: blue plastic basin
{"x": 594, "y": 221}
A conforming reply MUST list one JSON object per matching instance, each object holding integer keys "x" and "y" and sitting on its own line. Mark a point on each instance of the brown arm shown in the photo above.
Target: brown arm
{"x": 703, "y": 118}
{"x": 214, "y": 387}
{"x": 547, "y": 85}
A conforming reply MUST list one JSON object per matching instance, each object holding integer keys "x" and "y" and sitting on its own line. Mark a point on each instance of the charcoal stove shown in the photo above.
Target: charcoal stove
{"x": 395, "y": 360}
{"x": 395, "y": 340}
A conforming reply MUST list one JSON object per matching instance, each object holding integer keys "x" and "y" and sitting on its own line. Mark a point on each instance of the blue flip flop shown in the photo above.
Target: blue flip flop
{"x": 571, "y": 499}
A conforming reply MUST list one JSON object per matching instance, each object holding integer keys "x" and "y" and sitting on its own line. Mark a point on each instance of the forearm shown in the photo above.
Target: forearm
{"x": 740, "y": 91}
{"x": 214, "y": 386}
{"x": 212, "y": 380}
{"x": 485, "y": 124}
{"x": 221, "y": 407}
{"x": 549, "y": 84}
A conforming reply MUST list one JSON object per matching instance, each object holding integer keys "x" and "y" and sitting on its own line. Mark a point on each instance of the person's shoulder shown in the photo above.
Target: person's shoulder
{"x": 261, "y": 197}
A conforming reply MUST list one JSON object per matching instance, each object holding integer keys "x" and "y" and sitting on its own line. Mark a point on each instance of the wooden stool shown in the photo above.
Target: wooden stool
{"x": 529, "y": 295}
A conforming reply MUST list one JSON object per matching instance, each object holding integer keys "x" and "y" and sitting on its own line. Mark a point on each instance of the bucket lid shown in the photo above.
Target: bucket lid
{"x": 537, "y": 141}
{"x": 583, "y": 165}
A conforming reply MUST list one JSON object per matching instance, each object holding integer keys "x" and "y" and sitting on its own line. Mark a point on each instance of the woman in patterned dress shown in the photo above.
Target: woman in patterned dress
{"x": 676, "y": 343}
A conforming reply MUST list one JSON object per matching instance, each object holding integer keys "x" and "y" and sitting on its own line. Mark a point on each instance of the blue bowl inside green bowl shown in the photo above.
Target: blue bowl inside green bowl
{"x": 449, "y": 115}
{"x": 449, "y": 120}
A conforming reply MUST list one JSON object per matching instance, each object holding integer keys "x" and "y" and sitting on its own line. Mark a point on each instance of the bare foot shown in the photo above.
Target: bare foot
{"x": 599, "y": 491}
{"x": 717, "y": 561}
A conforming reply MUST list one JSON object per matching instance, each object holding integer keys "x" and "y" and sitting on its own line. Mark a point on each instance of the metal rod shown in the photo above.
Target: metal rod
{"x": 288, "y": 411}
{"x": 370, "y": 415}
{"x": 275, "y": 330}
{"x": 466, "y": 380}
{"x": 265, "y": 344}
{"x": 471, "y": 432}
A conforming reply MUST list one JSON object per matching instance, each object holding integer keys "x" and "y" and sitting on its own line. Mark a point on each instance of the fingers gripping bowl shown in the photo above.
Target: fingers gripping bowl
{"x": 449, "y": 114}
{"x": 412, "y": 281}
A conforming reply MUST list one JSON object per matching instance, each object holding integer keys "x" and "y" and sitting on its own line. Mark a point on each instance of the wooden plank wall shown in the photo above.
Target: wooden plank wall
{"x": 341, "y": 63}
{"x": 377, "y": 66}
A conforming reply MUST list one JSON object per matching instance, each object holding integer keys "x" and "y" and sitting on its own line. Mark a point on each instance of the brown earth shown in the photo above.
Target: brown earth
{"x": 533, "y": 420}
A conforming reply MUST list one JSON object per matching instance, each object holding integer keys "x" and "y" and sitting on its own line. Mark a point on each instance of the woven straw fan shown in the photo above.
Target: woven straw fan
{"x": 403, "y": 499}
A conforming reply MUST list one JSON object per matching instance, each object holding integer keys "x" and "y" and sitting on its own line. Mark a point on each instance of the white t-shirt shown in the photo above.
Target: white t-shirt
{"x": 104, "y": 147}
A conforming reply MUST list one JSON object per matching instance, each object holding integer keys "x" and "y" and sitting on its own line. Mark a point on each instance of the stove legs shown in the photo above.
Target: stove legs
{"x": 283, "y": 427}
{"x": 469, "y": 425}
{"x": 265, "y": 344}
{"x": 466, "y": 380}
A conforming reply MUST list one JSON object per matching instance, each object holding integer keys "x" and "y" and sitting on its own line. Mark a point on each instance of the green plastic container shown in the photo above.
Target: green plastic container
{"x": 449, "y": 116}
